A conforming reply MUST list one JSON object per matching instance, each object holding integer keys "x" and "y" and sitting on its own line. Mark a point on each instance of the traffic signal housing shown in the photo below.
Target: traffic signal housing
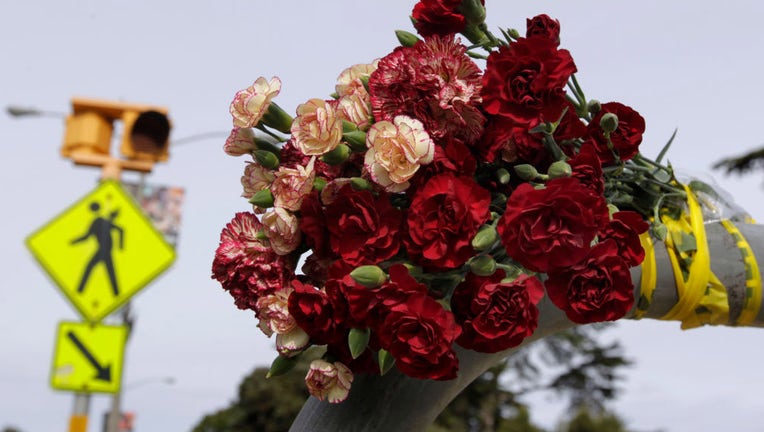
{"x": 89, "y": 130}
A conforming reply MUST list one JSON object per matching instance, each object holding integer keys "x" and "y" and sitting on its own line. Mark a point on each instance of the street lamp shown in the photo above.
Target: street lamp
{"x": 22, "y": 111}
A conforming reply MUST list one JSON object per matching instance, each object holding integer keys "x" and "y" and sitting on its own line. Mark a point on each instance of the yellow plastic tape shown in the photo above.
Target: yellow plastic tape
{"x": 649, "y": 277}
{"x": 753, "y": 293}
{"x": 689, "y": 291}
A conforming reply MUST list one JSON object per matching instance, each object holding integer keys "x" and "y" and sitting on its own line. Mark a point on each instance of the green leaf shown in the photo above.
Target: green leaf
{"x": 358, "y": 340}
{"x": 684, "y": 242}
{"x": 386, "y": 361}
{"x": 281, "y": 365}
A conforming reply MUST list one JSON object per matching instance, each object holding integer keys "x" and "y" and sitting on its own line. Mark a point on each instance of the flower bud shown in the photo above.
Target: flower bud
{"x": 514, "y": 34}
{"x": 348, "y": 126}
{"x": 267, "y": 159}
{"x": 263, "y": 199}
{"x": 485, "y": 238}
{"x": 474, "y": 11}
{"x": 526, "y": 171}
{"x": 319, "y": 183}
{"x": 340, "y": 154}
{"x": 502, "y": 175}
{"x": 483, "y": 265}
{"x": 659, "y": 230}
{"x": 265, "y": 144}
{"x": 278, "y": 119}
{"x": 609, "y": 122}
{"x": 559, "y": 169}
{"x": 370, "y": 276}
{"x": 406, "y": 39}
{"x": 594, "y": 107}
{"x": 359, "y": 183}
{"x": 356, "y": 140}
{"x": 281, "y": 365}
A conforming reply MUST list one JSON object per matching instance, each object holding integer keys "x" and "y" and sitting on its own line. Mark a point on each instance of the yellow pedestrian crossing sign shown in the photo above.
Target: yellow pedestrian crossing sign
{"x": 101, "y": 250}
{"x": 88, "y": 357}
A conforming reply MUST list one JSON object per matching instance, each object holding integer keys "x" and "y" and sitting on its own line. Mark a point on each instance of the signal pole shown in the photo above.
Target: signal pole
{"x": 78, "y": 422}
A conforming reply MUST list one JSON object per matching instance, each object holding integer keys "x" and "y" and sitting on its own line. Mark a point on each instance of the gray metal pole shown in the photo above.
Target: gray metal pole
{"x": 78, "y": 422}
{"x": 398, "y": 403}
{"x": 115, "y": 410}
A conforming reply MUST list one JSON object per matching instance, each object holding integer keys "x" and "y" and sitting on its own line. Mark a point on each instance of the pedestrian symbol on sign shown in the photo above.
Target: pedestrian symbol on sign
{"x": 101, "y": 229}
{"x": 101, "y": 251}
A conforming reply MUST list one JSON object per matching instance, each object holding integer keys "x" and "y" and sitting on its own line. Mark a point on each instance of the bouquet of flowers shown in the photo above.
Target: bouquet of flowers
{"x": 434, "y": 199}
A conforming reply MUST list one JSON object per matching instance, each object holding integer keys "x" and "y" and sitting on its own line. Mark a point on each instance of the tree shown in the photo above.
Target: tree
{"x": 573, "y": 364}
{"x": 742, "y": 164}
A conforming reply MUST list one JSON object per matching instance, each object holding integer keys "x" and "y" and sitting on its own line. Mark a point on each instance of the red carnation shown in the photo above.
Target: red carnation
{"x": 443, "y": 218}
{"x": 551, "y": 227}
{"x": 526, "y": 79}
{"x": 625, "y": 139}
{"x": 434, "y": 82}
{"x": 599, "y": 288}
{"x": 543, "y": 26}
{"x": 314, "y": 313}
{"x": 246, "y": 267}
{"x": 367, "y": 307}
{"x": 624, "y": 229}
{"x": 419, "y": 334}
{"x": 363, "y": 228}
{"x": 587, "y": 169}
{"x": 496, "y": 316}
{"x": 454, "y": 158}
{"x": 438, "y": 17}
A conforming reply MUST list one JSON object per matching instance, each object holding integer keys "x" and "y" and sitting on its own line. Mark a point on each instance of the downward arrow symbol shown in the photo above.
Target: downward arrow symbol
{"x": 102, "y": 373}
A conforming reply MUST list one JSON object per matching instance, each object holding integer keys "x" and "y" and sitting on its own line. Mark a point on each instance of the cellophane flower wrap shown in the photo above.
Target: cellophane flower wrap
{"x": 434, "y": 199}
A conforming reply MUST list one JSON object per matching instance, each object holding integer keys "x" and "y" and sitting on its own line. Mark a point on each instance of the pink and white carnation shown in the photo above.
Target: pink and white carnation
{"x": 329, "y": 381}
{"x": 273, "y": 312}
{"x": 291, "y": 185}
{"x": 349, "y": 82}
{"x": 356, "y": 109}
{"x": 396, "y": 151}
{"x": 283, "y": 230}
{"x": 317, "y": 129}
{"x": 250, "y": 104}
{"x": 435, "y": 82}
{"x": 256, "y": 178}
{"x": 246, "y": 266}
{"x": 241, "y": 141}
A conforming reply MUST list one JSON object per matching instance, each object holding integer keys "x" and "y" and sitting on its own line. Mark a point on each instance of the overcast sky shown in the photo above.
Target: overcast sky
{"x": 695, "y": 65}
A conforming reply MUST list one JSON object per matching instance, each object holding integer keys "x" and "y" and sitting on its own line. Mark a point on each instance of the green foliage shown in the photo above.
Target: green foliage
{"x": 573, "y": 364}
{"x": 586, "y": 421}
{"x": 263, "y": 405}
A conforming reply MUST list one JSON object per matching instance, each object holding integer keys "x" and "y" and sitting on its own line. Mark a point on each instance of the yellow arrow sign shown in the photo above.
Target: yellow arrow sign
{"x": 88, "y": 357}
{"x": 101, "y": 251}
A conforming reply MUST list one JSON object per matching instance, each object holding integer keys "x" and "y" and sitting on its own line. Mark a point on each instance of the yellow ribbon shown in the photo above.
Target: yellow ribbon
{"x": 702, "y": 297}
{"x": 649, "y": 277}
{"x": 753, "y": 293}
{"x": 696, "y": 263}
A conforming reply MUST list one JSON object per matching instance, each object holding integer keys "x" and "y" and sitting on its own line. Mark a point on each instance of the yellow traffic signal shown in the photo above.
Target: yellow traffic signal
{"x": 145, "y": 130}
{"x": 145, "y": 135}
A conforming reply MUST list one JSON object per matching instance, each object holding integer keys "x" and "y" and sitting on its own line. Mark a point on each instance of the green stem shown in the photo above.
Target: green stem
{"x": 262, "y": 128}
